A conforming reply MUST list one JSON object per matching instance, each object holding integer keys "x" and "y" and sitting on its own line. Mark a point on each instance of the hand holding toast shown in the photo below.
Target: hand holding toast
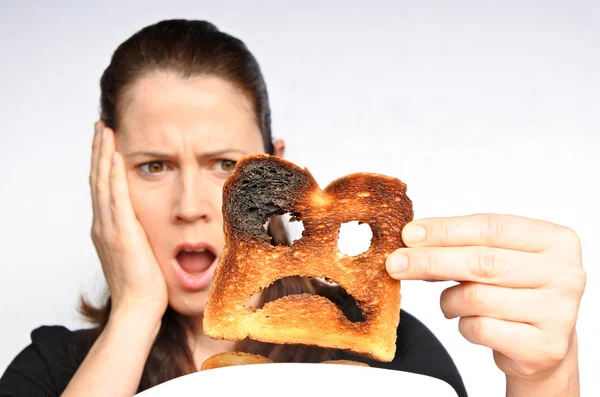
{"x": 520, "y": 285}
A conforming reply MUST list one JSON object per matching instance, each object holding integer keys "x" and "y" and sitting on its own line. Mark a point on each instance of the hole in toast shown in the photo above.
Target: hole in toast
{"x": 354, "y": 238}
{"x": 296, "y": 285}
{"x": 287, "y": 225}
{"x": 295, "y": 227}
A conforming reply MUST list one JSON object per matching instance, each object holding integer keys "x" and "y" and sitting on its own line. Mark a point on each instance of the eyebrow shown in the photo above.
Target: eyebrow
{"x": 165, "y": 155}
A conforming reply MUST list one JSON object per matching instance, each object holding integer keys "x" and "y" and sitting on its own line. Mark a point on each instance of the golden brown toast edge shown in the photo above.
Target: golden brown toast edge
{"x": 228, "y": 359}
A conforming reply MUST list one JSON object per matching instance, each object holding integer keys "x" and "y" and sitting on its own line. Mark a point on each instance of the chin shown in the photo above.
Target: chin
{"x": 189, "y": 304}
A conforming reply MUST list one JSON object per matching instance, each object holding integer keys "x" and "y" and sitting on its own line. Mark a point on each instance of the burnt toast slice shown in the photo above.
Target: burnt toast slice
{"x": 263, "y": 186}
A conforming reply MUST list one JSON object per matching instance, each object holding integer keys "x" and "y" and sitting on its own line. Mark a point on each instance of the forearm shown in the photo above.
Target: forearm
{"x": 114, "y": 364}
{"x": 564, "y": 382}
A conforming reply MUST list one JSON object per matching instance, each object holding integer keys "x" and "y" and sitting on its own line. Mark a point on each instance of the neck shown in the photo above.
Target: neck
{"x": 202, "y": 346}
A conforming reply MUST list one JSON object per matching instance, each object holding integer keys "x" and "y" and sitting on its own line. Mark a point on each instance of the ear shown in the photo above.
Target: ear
{"x": 278, "y": 148}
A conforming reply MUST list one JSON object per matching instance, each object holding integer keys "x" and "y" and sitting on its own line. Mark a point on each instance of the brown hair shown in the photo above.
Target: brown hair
{"x": 192, "y": 48}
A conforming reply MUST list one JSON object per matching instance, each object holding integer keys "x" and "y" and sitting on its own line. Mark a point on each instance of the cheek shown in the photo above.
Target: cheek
{"x": 150, "y": 208}
{"x": 212, "y": 203}
{"x": 218, "y": 198}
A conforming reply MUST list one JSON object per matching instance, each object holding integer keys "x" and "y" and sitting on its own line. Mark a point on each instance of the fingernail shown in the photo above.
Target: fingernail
{"x": 397, "y": 263}
{"x": 413, "y": 234}
{"x": 114, "y": 157}
{"x": 104, "y": 134}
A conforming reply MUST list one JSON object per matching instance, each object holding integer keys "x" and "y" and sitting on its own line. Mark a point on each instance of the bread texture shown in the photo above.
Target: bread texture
{"x": 346, "y": 362}
{"x": 229, "y": 359}
{"x": 263, "y": 186}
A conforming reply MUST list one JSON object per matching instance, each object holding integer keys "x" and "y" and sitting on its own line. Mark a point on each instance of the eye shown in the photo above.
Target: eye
{"x": 152, "y": 167}
{"x": 226, "y": 165}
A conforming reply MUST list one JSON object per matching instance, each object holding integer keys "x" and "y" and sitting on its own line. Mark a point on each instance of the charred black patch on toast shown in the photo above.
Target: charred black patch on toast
{"x": 260, "y": 190}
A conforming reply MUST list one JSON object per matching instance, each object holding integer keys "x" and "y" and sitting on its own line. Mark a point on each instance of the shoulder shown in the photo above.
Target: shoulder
{"x": 45, "y": 366}
{"x": 61, "y": 343}
{"x": 55, "y": 336}
{"x": 419, "y": 351}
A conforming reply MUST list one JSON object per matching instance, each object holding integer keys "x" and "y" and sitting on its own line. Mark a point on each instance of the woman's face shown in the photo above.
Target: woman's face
{"x": 180, "y": 139}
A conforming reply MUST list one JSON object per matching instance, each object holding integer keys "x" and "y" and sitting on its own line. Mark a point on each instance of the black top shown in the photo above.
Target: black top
{"x": 45, "y": 367}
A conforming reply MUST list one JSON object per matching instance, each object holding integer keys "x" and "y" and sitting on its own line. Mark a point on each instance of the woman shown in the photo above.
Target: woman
{"x": 181, "y": 102}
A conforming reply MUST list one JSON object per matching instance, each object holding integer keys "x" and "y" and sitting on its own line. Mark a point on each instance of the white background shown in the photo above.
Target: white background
{"x": 479, "y": 106}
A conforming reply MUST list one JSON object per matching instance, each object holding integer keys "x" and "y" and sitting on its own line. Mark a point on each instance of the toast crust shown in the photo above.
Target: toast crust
{"x": 263, "y": 186}
{"x": 229, "y": 359}
{"x": 346, "y": 362}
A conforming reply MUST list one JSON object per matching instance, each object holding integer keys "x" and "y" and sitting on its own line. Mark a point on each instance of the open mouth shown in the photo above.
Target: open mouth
{"x": 195, "y": 261}
{"x": 194, "y": 265}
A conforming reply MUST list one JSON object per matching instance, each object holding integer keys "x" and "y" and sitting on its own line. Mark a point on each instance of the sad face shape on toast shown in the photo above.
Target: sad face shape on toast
{"x": 263, "y": 186}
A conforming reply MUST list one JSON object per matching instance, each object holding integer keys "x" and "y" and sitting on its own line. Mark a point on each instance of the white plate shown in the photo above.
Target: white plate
{"x": 294, "y": 379}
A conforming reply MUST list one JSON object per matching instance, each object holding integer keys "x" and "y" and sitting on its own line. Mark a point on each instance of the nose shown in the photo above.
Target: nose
{"x": 193, "y": 199}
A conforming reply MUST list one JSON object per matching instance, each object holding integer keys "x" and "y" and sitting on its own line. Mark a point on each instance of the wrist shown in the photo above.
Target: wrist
{"x": 144, "y": 321}
{"x": 122, "y": 348}
{"x": 562, "y": 382}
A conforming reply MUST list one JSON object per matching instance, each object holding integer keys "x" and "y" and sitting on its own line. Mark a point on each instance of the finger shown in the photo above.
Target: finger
{"x": 506, "y": 337}
{"x": 121, "y": 208}
{"x": 94, "y": 165}
{"x": 98, "y": 127}
{"x": 95, "y": 151}
{"x": 513, "y": 304}
{"x": 490, "y": 230}
{"x": 102, "y": 184}
{"x": 480, "y": 264}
